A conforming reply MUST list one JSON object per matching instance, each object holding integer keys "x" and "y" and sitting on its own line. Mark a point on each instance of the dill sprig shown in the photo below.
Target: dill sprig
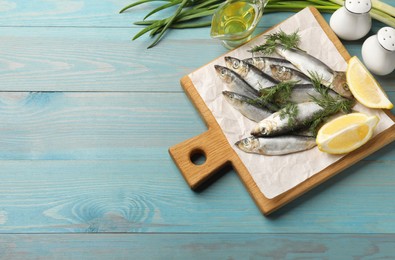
{"x": 264, "y": 103}
{"x": 273, "y": 40}
{"x": 331, "y": 104}
{"x": 278, "y": 94}
{"x": 291, "y": 111}
{"x": 275, "y": 97}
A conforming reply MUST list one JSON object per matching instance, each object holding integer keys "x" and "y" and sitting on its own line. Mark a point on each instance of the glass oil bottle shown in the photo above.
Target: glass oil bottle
{"x": 235, "y": 20}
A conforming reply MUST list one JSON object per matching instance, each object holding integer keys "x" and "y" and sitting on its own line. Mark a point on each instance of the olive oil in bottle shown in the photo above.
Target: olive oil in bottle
{"x": 234, "y": 21}
{"x": 235, "y": 18}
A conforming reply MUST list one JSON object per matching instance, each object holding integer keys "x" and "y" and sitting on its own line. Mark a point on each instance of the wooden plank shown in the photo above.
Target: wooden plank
{"x": 98, "y": 59}
{"x": 71, "y": 13}
{"x": 198, "y": 246}
{"x": 149, "y": 195}
{"x": 93, "y": 125}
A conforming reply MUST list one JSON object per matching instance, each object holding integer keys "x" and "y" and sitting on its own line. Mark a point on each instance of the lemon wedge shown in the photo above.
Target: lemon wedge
{"x": 346, "y": 133}
{"x": 364, "y": 87}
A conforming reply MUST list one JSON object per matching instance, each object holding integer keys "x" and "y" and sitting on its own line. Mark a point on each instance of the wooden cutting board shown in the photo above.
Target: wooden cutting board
{"x": 218, "y": 153}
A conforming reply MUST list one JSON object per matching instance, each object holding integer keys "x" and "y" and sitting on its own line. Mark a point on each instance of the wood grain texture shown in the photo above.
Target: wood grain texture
{"x": 65, "y": 13}
{"x": 95, "y": 59}
{"x": 198, "y": 246}
{"x": 92, "y": 125}
{"x": 38, "y": 196}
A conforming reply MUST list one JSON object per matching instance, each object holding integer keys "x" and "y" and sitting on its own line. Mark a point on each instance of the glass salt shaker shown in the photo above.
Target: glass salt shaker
{"x": 352, "y": 21}
{"x": 378, "y": 51}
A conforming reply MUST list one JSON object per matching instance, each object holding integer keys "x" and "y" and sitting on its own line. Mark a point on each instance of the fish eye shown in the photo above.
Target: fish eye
{"x": 236, "y": 63}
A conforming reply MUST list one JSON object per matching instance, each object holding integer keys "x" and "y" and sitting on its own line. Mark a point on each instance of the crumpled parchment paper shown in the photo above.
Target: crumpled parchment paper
{"x": 276, "y": 174}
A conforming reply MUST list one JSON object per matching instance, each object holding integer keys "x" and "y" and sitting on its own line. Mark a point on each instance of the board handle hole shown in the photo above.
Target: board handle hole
{"x": 198, "y": 157}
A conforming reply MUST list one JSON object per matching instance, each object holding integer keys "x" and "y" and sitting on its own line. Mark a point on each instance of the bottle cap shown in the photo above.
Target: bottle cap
{"x": 386, "y": 38}
{"x": 358, "y": 6}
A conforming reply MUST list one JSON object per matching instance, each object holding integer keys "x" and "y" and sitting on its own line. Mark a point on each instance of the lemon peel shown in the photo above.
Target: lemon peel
{"x": 346, "y": 133}
{"x": 364, "y": 86}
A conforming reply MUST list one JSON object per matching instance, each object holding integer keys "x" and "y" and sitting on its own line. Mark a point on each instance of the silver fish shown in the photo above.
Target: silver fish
{"x": 246, "y": 106}
{"x": 306, "y": 132}
{"x": 306, "y": 92}
{"x": 263, "y": 63}
{"x": 278, "y": 145}
{"x": 301, "y": 93}
{"x": 279, "y": 122}
{"x": 235, "y": 83}
{"x": 283, "y": 73}
{"x": 252, "y": 75}
{"x": 310, "y": 65}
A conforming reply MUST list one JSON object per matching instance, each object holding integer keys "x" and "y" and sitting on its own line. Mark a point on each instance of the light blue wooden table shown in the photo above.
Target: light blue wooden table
{"x": 86, "y": 120}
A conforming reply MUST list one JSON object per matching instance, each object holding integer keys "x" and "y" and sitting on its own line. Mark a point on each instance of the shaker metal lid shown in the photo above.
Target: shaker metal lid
{"x": 358, "y": 6}
{"x": 386, "y": 37}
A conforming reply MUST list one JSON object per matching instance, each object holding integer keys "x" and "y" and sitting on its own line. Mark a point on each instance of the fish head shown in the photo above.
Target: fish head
{"x": 239, "y": 66}
{"x": 232, "y": 98}
{"x": 229, "y": 96}
{"x": 339, "y": 84}
{"x": 248, "y": 144}
{"x": 224, "y": 73}
{"x": 281, "y": 73}
{"x": 265, "y": 128}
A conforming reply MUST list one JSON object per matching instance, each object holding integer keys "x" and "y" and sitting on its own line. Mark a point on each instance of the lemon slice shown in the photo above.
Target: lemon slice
{"x": 364, "y": 87}
{"x": 346, "y": 133}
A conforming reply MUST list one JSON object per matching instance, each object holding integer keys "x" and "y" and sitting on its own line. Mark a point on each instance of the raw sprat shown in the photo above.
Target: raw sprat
{"x": 296, "y": 110}
{"x": 286, "y": 45}
{"x": 303, "y": 109}
{"x": 252, "y": 75}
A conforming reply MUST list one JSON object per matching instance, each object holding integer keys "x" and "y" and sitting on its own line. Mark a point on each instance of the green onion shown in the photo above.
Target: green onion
{"x": 197, "y": 13}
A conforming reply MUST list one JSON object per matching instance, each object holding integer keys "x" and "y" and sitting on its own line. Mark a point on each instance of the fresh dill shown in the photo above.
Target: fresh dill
{"x": 275, "y": 97}
{"x": 280, "y": 93}
{"x": 288, "y": 41}
{"x": 290, "y": 111}
{"x": 331, "y": 104}
{"x": 264, "y": 103}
